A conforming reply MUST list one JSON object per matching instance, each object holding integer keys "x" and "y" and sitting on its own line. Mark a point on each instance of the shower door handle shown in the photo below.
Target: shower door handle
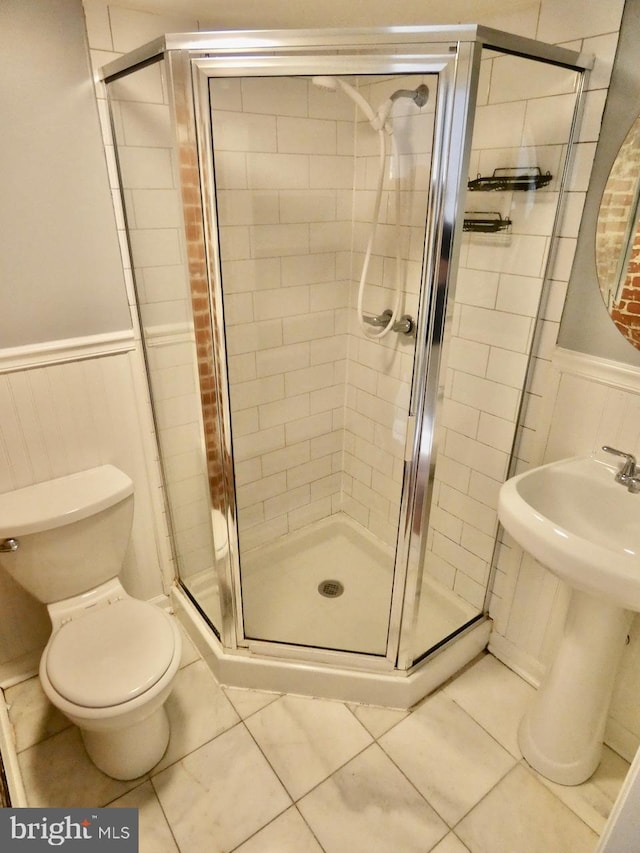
{"x": 409, "y": 438}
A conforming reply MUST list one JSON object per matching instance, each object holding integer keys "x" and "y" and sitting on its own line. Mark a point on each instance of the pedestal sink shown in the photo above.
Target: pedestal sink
{"x": 576, "y": 520}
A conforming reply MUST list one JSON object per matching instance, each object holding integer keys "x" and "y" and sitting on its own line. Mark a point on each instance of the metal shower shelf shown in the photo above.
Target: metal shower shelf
{"x": 512, "y": 178}
{"x": 485, "y": 221}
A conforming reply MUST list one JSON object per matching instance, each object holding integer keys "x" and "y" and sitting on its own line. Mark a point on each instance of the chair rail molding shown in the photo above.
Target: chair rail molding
{"x": 14, "y": 359}
{"x": 615, "y": 374}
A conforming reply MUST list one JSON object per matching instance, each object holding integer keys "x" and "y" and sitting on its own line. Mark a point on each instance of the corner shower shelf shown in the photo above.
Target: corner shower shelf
{"x": 512, "y": 178}
{"x": 485, "y": 222}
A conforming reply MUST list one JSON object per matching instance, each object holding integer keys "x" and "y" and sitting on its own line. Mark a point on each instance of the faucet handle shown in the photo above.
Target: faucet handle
{"x": 629, "y": 467}
{"x": 633, "y": 485}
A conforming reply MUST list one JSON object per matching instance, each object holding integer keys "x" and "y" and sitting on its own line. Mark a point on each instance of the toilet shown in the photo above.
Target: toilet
{"x": 111, "y": 659}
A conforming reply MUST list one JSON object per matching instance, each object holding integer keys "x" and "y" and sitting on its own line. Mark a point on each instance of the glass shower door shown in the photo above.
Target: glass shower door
{"x": 318, "y": 399}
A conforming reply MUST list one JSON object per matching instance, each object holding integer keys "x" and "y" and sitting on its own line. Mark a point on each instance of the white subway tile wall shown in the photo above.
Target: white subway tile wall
{"x": 524, "y": 109}
{"x": 142, "y": 129}
{"x": 296, "y": 190}
{"x": 526, "y": 605}
{"x": 318, "y": 413}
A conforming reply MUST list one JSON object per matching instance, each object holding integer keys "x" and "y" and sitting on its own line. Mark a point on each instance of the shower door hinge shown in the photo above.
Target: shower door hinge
{"x": 408, "y": 442}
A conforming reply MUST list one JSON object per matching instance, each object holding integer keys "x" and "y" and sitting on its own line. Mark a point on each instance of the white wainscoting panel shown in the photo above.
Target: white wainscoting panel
{"x": 65, "y": 416}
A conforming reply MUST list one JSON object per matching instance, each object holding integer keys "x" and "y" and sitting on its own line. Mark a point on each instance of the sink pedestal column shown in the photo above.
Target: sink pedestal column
{"x": 561, "y": 734}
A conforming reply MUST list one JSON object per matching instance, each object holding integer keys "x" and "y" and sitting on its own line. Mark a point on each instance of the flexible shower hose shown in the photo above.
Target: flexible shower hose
{"x": 366, "y": 328}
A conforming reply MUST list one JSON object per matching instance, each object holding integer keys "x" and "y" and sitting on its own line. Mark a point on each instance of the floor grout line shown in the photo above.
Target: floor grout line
{"x": 375, "y": 739}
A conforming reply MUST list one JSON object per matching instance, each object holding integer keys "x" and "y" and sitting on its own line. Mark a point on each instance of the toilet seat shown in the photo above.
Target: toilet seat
{"x": 111, "y": 654}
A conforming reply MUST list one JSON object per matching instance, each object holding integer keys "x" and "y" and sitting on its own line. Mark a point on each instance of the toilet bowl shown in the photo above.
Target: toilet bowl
{"x": 110, "y": 669}
{"x": 110, "y": 662}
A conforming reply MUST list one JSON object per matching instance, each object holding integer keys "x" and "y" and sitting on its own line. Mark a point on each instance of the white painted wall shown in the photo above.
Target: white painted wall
{"x": 59, "y": 266}
{"x": 72, "y": 393}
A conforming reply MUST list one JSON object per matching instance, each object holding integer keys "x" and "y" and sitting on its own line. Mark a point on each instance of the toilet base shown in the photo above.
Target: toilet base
{"x": 129, "y": 752}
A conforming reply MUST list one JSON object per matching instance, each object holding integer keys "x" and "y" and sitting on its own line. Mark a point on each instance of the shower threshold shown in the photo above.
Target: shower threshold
{"x": 277, "y": 668}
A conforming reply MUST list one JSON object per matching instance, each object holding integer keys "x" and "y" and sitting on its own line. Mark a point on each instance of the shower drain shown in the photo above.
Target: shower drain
{"x": 330, "y": 589}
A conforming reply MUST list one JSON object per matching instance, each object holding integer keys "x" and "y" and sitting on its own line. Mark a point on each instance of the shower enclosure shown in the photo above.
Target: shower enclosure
{"x": 339, "y": 245}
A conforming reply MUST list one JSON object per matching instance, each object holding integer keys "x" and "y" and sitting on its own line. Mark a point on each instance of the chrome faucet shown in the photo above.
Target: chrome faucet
{"x": 629, "y": 473}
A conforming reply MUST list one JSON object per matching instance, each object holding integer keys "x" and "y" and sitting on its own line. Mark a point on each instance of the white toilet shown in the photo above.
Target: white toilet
{"x": 110, "y": 662}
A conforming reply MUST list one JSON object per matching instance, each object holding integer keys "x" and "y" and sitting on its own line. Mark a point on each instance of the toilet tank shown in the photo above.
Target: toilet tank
{"x": 72, "y": 533}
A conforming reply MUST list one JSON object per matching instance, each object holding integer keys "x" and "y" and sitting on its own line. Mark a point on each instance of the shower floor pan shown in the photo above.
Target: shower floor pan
{"x": 282, "y": 601}
{"x": 286, "y": 617}
{"x": 281, "y": 597}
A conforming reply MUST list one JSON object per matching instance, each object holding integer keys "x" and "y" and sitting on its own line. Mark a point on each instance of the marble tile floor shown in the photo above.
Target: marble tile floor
{"x": 255, "y": 772}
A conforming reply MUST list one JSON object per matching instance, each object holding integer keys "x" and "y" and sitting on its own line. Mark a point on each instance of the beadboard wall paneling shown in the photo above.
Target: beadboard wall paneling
{"x": 64, "y": 417}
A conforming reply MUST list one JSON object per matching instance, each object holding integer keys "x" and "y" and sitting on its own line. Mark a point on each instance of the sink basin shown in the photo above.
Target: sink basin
{"x": 577, "y": 521}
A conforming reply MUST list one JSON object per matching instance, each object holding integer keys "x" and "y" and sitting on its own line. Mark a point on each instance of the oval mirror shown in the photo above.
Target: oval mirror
{"x": 618, "y": 239}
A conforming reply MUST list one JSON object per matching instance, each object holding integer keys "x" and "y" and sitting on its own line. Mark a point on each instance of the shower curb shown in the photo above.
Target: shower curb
{"x": 281, "y": 674}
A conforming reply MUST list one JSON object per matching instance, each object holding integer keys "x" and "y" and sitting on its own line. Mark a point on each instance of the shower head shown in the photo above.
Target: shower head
{"x": 331, "y": 84}
{"x": 419, "y": 96}
{"x": 377, "y": 120}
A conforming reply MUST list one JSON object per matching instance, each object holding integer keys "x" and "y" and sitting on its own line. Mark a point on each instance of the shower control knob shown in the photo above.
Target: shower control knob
{"x": 405, "y": 325}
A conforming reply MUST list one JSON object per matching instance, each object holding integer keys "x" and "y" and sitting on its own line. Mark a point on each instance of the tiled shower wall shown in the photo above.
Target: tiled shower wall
{"x": 283, "y": 182}
{"x": 379, "y": 371}
{"x": 523, "y": 119}
{"x": 287, "y": 163}
{"x": 142, "y": 128}
{"x": 523, "y": 604}
{"x": 319, "y": 411}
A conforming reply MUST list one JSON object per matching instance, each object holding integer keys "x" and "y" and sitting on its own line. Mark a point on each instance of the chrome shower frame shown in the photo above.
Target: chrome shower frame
{"x": 453, "y": 54}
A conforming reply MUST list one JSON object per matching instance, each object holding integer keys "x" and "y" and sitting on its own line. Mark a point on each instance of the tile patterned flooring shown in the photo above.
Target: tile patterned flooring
{"x": 256, "y": 772}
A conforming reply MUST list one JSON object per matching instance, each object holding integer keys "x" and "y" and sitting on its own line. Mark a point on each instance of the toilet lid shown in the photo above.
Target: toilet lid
{"x": 110, "y": 655}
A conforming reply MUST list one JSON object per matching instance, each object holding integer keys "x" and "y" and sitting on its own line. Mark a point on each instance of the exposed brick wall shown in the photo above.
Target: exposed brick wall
{"x": 625, "y": 313}
{"x": 203, "y": 321}
{"x": 617, "y": 199}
